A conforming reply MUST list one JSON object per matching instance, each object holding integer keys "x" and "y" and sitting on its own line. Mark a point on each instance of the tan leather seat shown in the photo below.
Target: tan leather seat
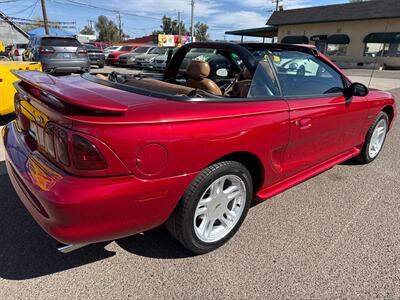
{"x": 197, "y": 73}
{"x": 241, "y": 88}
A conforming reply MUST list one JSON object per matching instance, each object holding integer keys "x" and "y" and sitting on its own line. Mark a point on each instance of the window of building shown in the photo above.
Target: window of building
{"x": 382, "y": 44}
{"x": 337, "y": 45}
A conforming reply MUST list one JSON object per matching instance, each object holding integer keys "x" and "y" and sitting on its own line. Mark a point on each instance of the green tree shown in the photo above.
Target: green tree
{"x": 170, "y": 26}
{"x": 108, "y": 30}
{"x": 87, "y": 30}
{"x": 201, "y": 32}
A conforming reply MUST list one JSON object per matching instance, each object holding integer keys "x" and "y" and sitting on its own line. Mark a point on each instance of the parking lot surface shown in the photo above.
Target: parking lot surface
{"x": 333, "y": 236}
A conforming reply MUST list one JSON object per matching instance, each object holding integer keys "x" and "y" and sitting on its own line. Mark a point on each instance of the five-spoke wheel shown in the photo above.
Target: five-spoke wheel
{"x": 213, "y": 207}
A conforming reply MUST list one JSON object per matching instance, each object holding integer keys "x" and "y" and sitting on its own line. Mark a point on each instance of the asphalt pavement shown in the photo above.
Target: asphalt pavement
{"x": 333, "y": 236}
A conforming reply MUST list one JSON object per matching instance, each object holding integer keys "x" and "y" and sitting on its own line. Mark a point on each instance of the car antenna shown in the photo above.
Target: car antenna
{"x": 376, "y": 59}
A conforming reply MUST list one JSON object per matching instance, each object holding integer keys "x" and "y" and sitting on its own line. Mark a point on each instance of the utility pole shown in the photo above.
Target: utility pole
{"x": 192, "y": 21}
{"x": 277, "y": 4}
{"x": 179, "y": 27}
{"x": 119, "y": 25}
{"x": 45, "y": 20}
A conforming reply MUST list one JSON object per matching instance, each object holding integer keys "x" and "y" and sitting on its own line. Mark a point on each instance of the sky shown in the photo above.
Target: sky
{"x": 141, "y": 17}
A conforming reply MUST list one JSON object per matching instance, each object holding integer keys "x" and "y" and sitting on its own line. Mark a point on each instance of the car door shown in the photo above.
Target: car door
{"x": 323, "y": 122}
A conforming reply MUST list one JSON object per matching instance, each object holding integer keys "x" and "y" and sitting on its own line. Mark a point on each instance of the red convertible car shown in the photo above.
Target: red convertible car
{"x": 97, "y": 158}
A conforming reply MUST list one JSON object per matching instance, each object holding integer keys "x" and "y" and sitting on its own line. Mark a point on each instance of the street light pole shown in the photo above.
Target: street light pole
{"x": 192, "y": 21}
{"x": 179, "y": 27}
{"x": 45, "y": 20}
{"x": 277, "y": 4}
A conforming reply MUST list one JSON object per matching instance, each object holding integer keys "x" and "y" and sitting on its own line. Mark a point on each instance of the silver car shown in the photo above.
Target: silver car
{"x": 128, "y": 59}
{"x": 58, "y": 54}
{"x": 160, "y": 62}
{"x": 145, "y": 60}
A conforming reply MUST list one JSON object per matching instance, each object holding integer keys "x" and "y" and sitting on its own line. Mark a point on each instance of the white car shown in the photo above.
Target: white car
{"x": 17, "y": 51}
{"x": 111, "y": 49}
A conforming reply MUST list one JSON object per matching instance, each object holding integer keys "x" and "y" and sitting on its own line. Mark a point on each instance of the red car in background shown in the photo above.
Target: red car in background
{"x": 113, "y": 57}
{"x": 97, "y": 158}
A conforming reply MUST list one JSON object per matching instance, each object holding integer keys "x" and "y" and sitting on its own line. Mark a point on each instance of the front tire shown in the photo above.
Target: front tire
{"x": 375, "y": 139}
{"x": 213, "y": 207}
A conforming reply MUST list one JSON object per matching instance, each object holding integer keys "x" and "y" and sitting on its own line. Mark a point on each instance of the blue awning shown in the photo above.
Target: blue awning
{"x": 52, "y": 31}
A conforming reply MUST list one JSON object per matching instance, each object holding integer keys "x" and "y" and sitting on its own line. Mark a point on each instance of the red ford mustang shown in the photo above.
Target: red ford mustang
{"x": 100, "y": 158}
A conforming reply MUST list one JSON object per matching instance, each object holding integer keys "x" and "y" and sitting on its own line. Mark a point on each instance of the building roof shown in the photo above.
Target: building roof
{"x": 269, "y": 31}
{"x": 375, "y": 9}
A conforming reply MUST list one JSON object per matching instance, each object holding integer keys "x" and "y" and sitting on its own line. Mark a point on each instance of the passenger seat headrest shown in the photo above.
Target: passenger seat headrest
{"x": 198, "y": 69}
{"x": 246, "y": 74}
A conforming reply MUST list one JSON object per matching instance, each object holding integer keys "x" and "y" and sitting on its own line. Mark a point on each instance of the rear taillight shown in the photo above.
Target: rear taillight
{"x": 46, "y": 50}
{"x": 72, "y": 150}
{"x": 81, "y": 51}
{"x": 85, "y": 155}
{"x": 61, "y": 146}
{"x": 16, "y": 52}
{"x": 22, "y": 121}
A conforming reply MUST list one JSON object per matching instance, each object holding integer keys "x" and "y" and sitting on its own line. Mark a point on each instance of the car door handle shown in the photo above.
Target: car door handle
{"x": 304, "y": 123}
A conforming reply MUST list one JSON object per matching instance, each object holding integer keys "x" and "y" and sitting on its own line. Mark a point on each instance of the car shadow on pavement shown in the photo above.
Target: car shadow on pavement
{"x": 6, "y": 119}
{"x": 26, "y": 251}
{"x": 156, "y": 243}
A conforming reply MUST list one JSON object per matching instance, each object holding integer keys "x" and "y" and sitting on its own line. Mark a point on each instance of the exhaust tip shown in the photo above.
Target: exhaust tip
{"x": 63, "y": 248}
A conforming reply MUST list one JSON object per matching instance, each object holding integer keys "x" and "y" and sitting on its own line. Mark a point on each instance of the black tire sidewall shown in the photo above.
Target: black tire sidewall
{"x": 191, "y": 240}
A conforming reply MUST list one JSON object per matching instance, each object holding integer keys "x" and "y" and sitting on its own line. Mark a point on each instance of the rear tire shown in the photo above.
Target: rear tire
{"x": 213, "y": 207}
{"x": 375, "y": 139}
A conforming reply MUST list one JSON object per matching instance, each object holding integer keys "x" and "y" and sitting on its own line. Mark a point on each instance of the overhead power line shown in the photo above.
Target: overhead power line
{"x": 76, "y": 3}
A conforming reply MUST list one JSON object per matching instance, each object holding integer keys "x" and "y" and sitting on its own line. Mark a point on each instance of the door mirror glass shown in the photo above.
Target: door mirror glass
{"x": 357, "y": 89}
{"x": 222, "y": 72}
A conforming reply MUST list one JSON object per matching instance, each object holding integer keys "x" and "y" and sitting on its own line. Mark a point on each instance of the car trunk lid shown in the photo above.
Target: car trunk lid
{"x": 60, "y": 92}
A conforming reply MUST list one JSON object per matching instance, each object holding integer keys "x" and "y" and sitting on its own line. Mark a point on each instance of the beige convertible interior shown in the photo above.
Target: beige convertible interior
{"x": 197, "y": 74}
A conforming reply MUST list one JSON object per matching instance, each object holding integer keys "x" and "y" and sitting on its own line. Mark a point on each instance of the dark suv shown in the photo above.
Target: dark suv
{"x": 58, "y": 54}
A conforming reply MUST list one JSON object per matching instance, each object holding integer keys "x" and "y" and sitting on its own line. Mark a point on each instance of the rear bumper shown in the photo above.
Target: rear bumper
{"x": 54, "y": 66}
{"x": 87, "y": 210}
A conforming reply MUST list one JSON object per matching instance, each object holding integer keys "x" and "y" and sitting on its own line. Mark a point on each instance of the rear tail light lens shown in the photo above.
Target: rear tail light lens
{"x": 85, "y": 155}
{"x": 61, "y": 147}
{"x": 16, "y": 52}
{"x": 81, "y": 51}
{"x": 22, "y": 121}
{"x": 49, "y": 140}
{"x": 46, "y": 50}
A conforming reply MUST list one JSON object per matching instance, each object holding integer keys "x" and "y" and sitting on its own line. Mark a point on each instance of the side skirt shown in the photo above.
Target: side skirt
{"x": 289, "y": 182}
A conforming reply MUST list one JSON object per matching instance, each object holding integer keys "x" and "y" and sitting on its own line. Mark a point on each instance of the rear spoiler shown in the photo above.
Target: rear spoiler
{"x": 69, "y": 94}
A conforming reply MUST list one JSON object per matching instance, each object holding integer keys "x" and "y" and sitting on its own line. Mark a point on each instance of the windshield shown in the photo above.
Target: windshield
{"x": 141, "y": 50}
{"x": 60, "y": 42}
{"x": 158, "y": 51}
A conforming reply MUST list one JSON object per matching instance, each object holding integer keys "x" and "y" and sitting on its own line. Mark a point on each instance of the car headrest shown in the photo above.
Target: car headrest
{"x": 198, "y": 69}
{"x": 246, "y": 75}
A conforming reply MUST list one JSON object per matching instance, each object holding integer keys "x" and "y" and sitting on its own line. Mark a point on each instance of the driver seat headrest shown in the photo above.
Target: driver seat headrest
{"x": 198, "y": 69}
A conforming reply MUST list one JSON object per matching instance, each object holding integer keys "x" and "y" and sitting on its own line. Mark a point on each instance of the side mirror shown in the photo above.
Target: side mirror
{"x": 357, "y": 89}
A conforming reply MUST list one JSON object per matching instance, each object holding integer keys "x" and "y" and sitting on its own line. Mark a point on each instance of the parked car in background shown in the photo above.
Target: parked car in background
{"x": 160, "y": 62}
{"x": 145, "y": 60}
{"x": 17, "y": 51}
{"x": 7, "y": 90}
{"x": 96, "y": 55}
{"x": 58, "y": 54}
{"x": 128, "y": 59}
{"x": 100, "y": 45}
{"x": 111, "y": 49}
{"x": 112, "y": 58}
{"x": 100, "y": 158}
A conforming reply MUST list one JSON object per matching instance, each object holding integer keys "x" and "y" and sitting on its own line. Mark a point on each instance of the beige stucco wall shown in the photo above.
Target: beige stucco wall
{"x": 356, "y": 30}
